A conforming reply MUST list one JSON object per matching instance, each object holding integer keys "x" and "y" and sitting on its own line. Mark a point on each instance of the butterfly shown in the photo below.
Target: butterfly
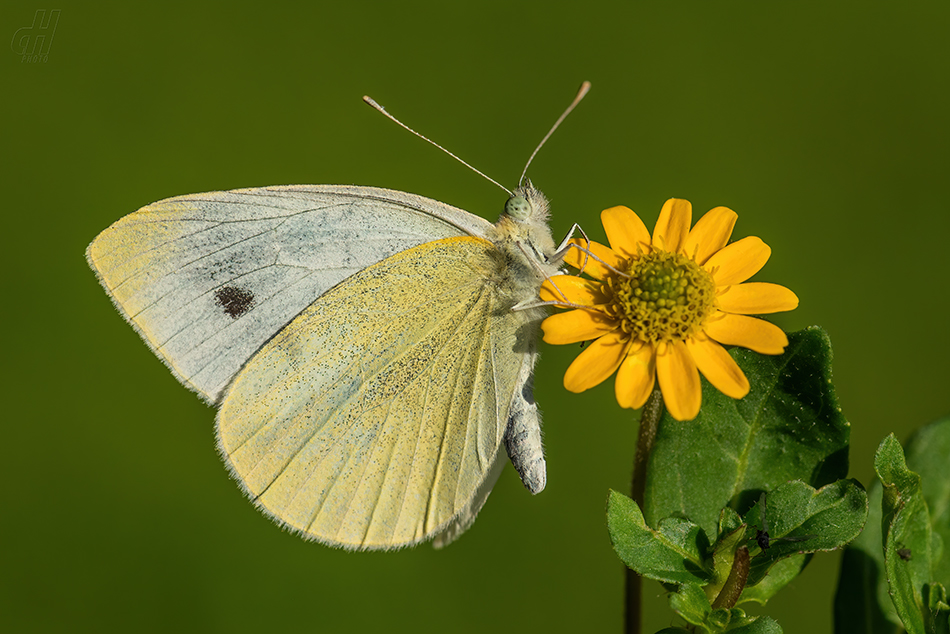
{"x": 370, "y": 351}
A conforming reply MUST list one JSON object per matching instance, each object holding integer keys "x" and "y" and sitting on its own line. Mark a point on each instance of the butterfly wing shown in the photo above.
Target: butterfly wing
{"x": 375, "y": 418}
{"x": 523, "y": 443}
{"x": 206, "y": 279}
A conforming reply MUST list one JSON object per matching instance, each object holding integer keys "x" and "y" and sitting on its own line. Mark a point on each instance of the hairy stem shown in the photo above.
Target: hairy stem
{"x": 650, "y": 417}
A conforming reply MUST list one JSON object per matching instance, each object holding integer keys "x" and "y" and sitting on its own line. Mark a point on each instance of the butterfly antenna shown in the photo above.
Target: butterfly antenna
{"x": 372, "y": 102}
{"x": 577, "y": 99}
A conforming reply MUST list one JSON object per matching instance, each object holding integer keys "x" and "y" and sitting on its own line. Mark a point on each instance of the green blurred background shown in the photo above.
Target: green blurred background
{"x": 823, "y": 124}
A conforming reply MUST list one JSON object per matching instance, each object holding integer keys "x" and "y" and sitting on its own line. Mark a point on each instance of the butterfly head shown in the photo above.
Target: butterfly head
{"x": 527, "y": 205}
{"x": 518, "y": 208}
{"x": 523, "y": 235}
{"x": 525, "y": 221}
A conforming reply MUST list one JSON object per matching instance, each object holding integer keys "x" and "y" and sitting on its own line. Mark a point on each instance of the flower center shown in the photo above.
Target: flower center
{"x": 665, "y": 297}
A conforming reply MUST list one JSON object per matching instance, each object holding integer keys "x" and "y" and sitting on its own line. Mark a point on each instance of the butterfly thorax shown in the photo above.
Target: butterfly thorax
{"x": 524, "y": 238}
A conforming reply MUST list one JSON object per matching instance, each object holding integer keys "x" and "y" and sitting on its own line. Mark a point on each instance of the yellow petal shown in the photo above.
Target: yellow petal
{"x": 710, "y": 234}
{"x": 597, "y": 362}
{"x": 573, "y": 290}
{"x": 591, "y": 257}
{"x": 679, "y": 380}
{"x": 739, "y": 261}
{"x": 749, "y": 332}
{"x": 718, "y": 367}
{"x": 757, "y": 298}
{"x": 636, "y": 376}
{"x": 576, "y": 325}
{"x": 672, "y": 226}
{"x": 626, "y": 233}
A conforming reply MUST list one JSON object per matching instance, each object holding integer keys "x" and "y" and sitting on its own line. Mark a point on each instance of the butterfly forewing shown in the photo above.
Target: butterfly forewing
{"x": 206, "y": 279}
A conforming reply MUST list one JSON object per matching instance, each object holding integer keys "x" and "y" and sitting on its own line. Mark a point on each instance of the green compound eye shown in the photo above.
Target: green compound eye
{"x": 518, "y": 208}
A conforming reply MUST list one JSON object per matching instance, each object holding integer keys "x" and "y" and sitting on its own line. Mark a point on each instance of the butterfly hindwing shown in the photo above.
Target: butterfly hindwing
{"x": 376, "y": 417}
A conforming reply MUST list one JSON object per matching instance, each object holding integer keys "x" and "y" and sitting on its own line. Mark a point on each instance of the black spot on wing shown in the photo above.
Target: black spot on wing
{"x": 235, "y": 301}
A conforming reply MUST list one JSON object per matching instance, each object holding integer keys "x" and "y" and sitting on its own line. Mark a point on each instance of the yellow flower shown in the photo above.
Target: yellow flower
{"x": 658, "y": 308}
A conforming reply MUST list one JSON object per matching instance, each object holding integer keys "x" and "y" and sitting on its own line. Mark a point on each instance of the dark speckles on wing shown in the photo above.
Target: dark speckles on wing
{"x": 235, "y": 301}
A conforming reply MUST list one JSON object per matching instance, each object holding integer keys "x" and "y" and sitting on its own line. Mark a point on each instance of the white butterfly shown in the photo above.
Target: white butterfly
{"x": 370, "y": 350}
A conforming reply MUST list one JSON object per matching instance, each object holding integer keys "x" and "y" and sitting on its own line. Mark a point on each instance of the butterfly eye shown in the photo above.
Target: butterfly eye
{"x": 518, "y": 207}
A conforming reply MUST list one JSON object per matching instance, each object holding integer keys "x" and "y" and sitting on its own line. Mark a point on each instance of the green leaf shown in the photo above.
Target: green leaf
{"x": 726, "y": 619}
{"x": 673, "y": 553}
{"x": 761, "y": 625}
{"x": 928, "y": 454}
{"x": 862, "y": 601}
{"x": 690, "y": 602}
{"x": 937, "y": 613}
{"x": 831, "y": 517}
{"x": 789, "y": 427}
{"x": 911, "y": 547}
{"x": 780, "y": 575}
{"x": 729, "y": 521}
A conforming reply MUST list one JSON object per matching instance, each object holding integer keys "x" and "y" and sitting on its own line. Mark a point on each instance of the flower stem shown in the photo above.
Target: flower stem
{"x": 650, "y": 417}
